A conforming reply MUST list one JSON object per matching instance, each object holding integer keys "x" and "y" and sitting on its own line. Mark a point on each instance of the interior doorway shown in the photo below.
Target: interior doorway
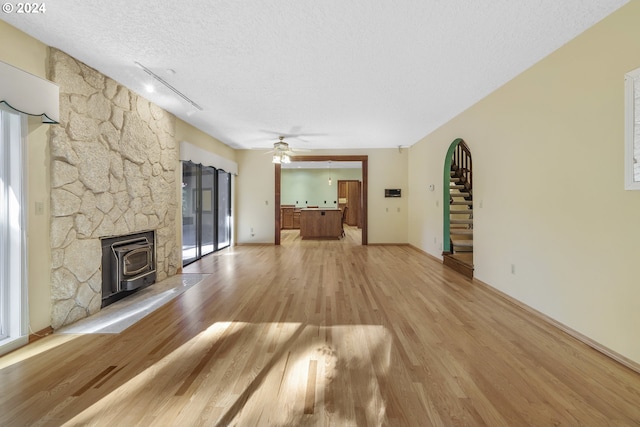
{"x": 349, "y": 196}
{"x": 333, "y": 158}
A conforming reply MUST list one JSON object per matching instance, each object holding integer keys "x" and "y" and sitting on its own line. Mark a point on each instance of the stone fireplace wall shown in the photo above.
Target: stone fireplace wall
{"x": 113, "y": 170}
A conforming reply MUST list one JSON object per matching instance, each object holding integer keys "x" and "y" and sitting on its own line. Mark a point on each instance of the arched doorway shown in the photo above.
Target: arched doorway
{"x": 457, "y": 246}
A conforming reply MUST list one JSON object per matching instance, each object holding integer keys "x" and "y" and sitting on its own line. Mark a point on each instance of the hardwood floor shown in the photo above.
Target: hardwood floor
{"x": 321, "y": 333}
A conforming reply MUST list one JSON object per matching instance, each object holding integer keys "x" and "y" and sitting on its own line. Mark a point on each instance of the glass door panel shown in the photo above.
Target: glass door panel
{"x": 190, "y": 206}
{"x": 224, "y": 209}
{"x": 208, "y": 211}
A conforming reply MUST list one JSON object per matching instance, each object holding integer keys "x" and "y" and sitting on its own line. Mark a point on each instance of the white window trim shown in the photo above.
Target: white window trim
{"x": 631, "y": 127}
{"x": 18, "y": 328}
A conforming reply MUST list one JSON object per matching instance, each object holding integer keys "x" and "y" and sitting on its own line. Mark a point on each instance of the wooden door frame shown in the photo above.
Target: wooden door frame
{"x": 334, "y": 158}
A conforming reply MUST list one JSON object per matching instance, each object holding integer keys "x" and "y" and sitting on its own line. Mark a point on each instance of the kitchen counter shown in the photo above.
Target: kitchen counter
{"x": 320, "y": 223}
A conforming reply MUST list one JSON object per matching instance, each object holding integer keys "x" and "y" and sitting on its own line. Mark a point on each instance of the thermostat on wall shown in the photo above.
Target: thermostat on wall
{"x": 392, "y": 192}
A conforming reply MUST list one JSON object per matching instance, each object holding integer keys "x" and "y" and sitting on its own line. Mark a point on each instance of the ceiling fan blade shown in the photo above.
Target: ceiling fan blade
{"x": 293, "y": 134}
{"x": 265, "y": 149}
{"x": 282, "y": 147}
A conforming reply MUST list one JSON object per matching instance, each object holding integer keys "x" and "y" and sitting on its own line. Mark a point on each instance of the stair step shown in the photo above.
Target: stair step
{"x": 458, "y": 187}
{"x": 461, "y": 221}
{"x": 463, "y": 202}
{"x": 467, "y": 231}
{"x": 463, "y": 243}
{"x": 460, "y": 212}
{"x": 454, "y": 179}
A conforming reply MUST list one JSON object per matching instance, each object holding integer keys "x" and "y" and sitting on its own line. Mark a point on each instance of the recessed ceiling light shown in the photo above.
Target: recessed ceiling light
{"x": 171, "y": 71}
{"x": 149, "y": 88}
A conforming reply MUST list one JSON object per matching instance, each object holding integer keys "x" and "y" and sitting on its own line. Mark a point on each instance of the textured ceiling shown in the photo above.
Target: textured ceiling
{"x": 328, "y": 74}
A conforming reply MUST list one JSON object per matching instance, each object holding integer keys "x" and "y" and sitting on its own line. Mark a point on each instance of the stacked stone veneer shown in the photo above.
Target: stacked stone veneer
{"x": 113, "y": 171}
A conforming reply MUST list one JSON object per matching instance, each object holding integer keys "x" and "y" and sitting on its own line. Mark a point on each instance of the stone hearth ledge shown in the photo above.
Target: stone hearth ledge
{"x": 124, "y": 313}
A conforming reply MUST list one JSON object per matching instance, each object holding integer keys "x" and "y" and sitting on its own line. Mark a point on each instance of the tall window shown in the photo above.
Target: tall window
{"x": 12, "y": 231}
{"x": 190, "y": 208}
{"x": 224, "y": 209}
{"x": 206, "y": 211}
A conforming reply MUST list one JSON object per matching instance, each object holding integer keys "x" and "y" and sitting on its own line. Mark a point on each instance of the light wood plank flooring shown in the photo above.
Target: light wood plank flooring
{"x": 321, "y": 333}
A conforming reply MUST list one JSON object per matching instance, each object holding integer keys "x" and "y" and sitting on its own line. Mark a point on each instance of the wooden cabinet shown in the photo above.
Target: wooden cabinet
{"x": 296, "y": 218}
{"x": 349, "y": 195}
{"x": 320, "y": 223}
{"x": 286, "y": 217}
{"x": 289, "y": 217}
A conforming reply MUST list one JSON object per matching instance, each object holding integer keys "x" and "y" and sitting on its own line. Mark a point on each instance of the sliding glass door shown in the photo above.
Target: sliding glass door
{"x": 206, "y": 210}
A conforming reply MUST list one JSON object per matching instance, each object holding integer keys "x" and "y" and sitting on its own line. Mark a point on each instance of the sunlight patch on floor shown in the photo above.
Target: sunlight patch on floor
{"x": 294, "y": 373}
{"x": 33, "y": 349}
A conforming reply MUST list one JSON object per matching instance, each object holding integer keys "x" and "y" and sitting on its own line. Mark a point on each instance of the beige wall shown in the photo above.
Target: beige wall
{"x": 22, "y": 51}
{"x": 255, "y": 190}
{"x": 186, "y": 132}
{"x": 549, "y": 192}
{"x": 387, "y": 216}
{"x": 30, "y": 55}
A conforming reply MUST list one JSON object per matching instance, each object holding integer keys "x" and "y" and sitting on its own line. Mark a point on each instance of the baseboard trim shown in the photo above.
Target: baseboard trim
{"x": 40, "y": 334}
{"x": 634, "y": 366}
{"x": 456, "y": 265}
{"x": 255, "y": 244}
{"x": 433, "y": 257}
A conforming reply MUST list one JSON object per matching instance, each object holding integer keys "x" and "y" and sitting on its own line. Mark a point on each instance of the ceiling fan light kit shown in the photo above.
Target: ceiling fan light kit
{"x": 281, "y": 158}
{"x": 280, "y": 150}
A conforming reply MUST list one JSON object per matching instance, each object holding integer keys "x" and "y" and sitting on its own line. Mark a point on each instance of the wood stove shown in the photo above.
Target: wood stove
{"x": 128, "y": 263}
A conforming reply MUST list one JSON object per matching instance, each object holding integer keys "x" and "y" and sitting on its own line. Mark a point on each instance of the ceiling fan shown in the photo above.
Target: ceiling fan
{"x": 282, "y": 152}
{"x": 281, "y": 146}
